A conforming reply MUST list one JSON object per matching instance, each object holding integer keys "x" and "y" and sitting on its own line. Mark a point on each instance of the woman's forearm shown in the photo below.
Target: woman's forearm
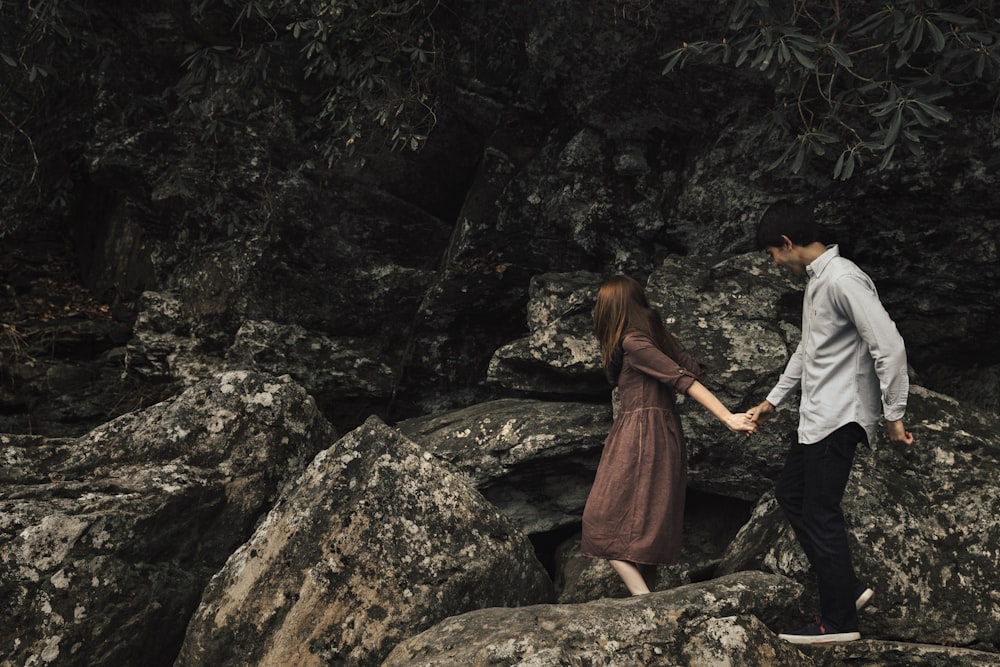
{"x": 741, "y": 423}
{"x": 700, "y": 393}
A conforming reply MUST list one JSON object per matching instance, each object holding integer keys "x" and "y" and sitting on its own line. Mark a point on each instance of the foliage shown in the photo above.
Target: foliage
{"x": 861, "y": 81}
{"x": 366, "y": 71}
{"x": 44, "y": 45}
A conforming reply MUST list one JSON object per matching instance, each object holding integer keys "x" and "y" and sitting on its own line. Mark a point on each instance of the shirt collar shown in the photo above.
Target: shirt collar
{"x": 817, "y": 265}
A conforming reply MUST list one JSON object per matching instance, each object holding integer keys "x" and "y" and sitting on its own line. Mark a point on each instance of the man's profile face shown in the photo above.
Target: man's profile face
{"x": 786, "y": 257}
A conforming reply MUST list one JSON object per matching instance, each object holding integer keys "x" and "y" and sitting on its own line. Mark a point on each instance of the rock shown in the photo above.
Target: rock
{"x": 165, "y": 347}
{"x": 347, "y": 376}
{"x": 376, "y": 542}
{"x": 923, "y": 526}
{"x": 535, "y": 460}
{"x": 62, "y": 374}
{"x": 109, "y": 539}
{"x": 335, "y": 368}
{"x": 718, "y": 622}
{"x": 739, "y": 318}
{"x": 560, "y": 356}
{"x": 897, "y": 654}
{"x": 547, "y": 160}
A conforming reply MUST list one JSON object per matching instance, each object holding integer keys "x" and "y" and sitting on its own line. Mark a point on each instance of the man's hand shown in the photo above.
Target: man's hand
{"x": 898, "y": 433}
{"x": 762, "y": 412}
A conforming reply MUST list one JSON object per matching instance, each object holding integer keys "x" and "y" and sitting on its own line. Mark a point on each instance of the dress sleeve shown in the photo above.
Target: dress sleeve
{"x": 646, "y": 358}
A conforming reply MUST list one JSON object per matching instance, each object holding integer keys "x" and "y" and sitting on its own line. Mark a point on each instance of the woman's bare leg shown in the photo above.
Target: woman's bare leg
{"x": 635, "y": 582}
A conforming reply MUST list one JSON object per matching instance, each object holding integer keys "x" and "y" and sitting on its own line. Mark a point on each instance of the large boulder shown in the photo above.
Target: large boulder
{"x": 376, "y": 542}
{"x": 724, "y": 621}
{"x": 731, "y": 620}
{"x": 346, "y": 375}
{"x": 560, "y": 355}
{"x": 109, "y": 539}
{"x": 923, "y": 526}
{"x": 535, "y": 460}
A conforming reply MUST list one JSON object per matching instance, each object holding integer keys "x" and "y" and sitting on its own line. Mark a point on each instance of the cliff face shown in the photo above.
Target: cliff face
{"x": 198, "y": 293}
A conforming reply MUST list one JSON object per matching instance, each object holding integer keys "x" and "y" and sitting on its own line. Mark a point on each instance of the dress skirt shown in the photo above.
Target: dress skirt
{"x": 635, "y": 511}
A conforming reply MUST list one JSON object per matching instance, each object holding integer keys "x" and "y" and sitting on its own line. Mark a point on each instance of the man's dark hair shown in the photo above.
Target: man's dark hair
{"x": 786, "y": 218}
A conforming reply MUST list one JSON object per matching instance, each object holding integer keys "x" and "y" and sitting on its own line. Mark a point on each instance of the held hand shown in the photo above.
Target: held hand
{"x": 897, "y": 433}
{"x": 741, "y": 423}
{"x": 762, "y": 412}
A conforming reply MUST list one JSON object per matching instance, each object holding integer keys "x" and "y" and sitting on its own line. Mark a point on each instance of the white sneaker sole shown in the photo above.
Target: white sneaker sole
{"x": 831, "y": 638}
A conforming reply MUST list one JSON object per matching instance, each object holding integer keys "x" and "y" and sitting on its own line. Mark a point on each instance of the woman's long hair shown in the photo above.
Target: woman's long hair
{"x": 622, "y": 308}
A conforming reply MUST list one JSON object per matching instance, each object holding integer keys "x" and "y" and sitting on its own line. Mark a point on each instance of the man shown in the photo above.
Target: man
{"x": 850, "y": 370}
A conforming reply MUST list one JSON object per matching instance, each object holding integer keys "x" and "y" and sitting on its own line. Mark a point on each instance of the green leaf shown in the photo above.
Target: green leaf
{"x": 838, "y": 167}
{"x": 937, "y": 36}
{"x": 763, "y": 59}
{"x": 883, "y": 108}
{"x": 7, "y": 59}
{"x": 803, "y": 59}
{"x": 936, "y": 112}
{"x": 784, "y": 156}
{"x": 887, "y": 158}
{"x": 800, "y": 156}
{"x": 840, "y": 56}
{"x": 894, "y": 127}
{"x": 957, "y": 19}
{"x": 675, "y": 60}
{"x": 921, "y": 117}
{"x": 918, "y": 34}
{"x": 871, "y": 23}
{"x": 848, "y": 167}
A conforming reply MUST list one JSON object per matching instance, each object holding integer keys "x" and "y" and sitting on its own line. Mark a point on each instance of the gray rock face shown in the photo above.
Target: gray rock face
{"x": 376, "y": 542}
{"x": 532, "y": 459}
{"x": 718, "y": 622}
{"x": 560, "y": 355}
{"x": 332, "y": 368}
{"x": 898, "y": 654}
{"x": 108, "y": 540}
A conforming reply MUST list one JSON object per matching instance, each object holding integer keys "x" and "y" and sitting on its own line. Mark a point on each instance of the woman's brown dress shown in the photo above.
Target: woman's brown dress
{"x": 635, "y": 510}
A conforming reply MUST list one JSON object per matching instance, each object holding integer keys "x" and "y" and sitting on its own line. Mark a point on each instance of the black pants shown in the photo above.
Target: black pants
{"x": 809, "y": 490}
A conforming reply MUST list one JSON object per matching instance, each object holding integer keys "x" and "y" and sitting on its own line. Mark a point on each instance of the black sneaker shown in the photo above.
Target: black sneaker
{"x": 818, "y": 633}
{"x": 862, "y": 596}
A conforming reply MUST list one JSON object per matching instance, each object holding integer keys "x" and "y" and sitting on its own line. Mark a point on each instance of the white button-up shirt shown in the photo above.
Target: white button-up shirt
{"x": 851, "y": 362}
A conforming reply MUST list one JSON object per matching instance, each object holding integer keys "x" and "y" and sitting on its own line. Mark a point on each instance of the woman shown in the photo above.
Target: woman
{"x": 635, "y": 510}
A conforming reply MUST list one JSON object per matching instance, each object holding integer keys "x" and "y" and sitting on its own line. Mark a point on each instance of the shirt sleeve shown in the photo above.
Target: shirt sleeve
{"x": 858, "y": 300}
{"x": 649, "y": 359}
{"x": 790, "y": 380}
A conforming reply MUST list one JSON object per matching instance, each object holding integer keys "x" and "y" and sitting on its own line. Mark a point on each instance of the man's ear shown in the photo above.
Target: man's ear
{"x": 786, "y": 243}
